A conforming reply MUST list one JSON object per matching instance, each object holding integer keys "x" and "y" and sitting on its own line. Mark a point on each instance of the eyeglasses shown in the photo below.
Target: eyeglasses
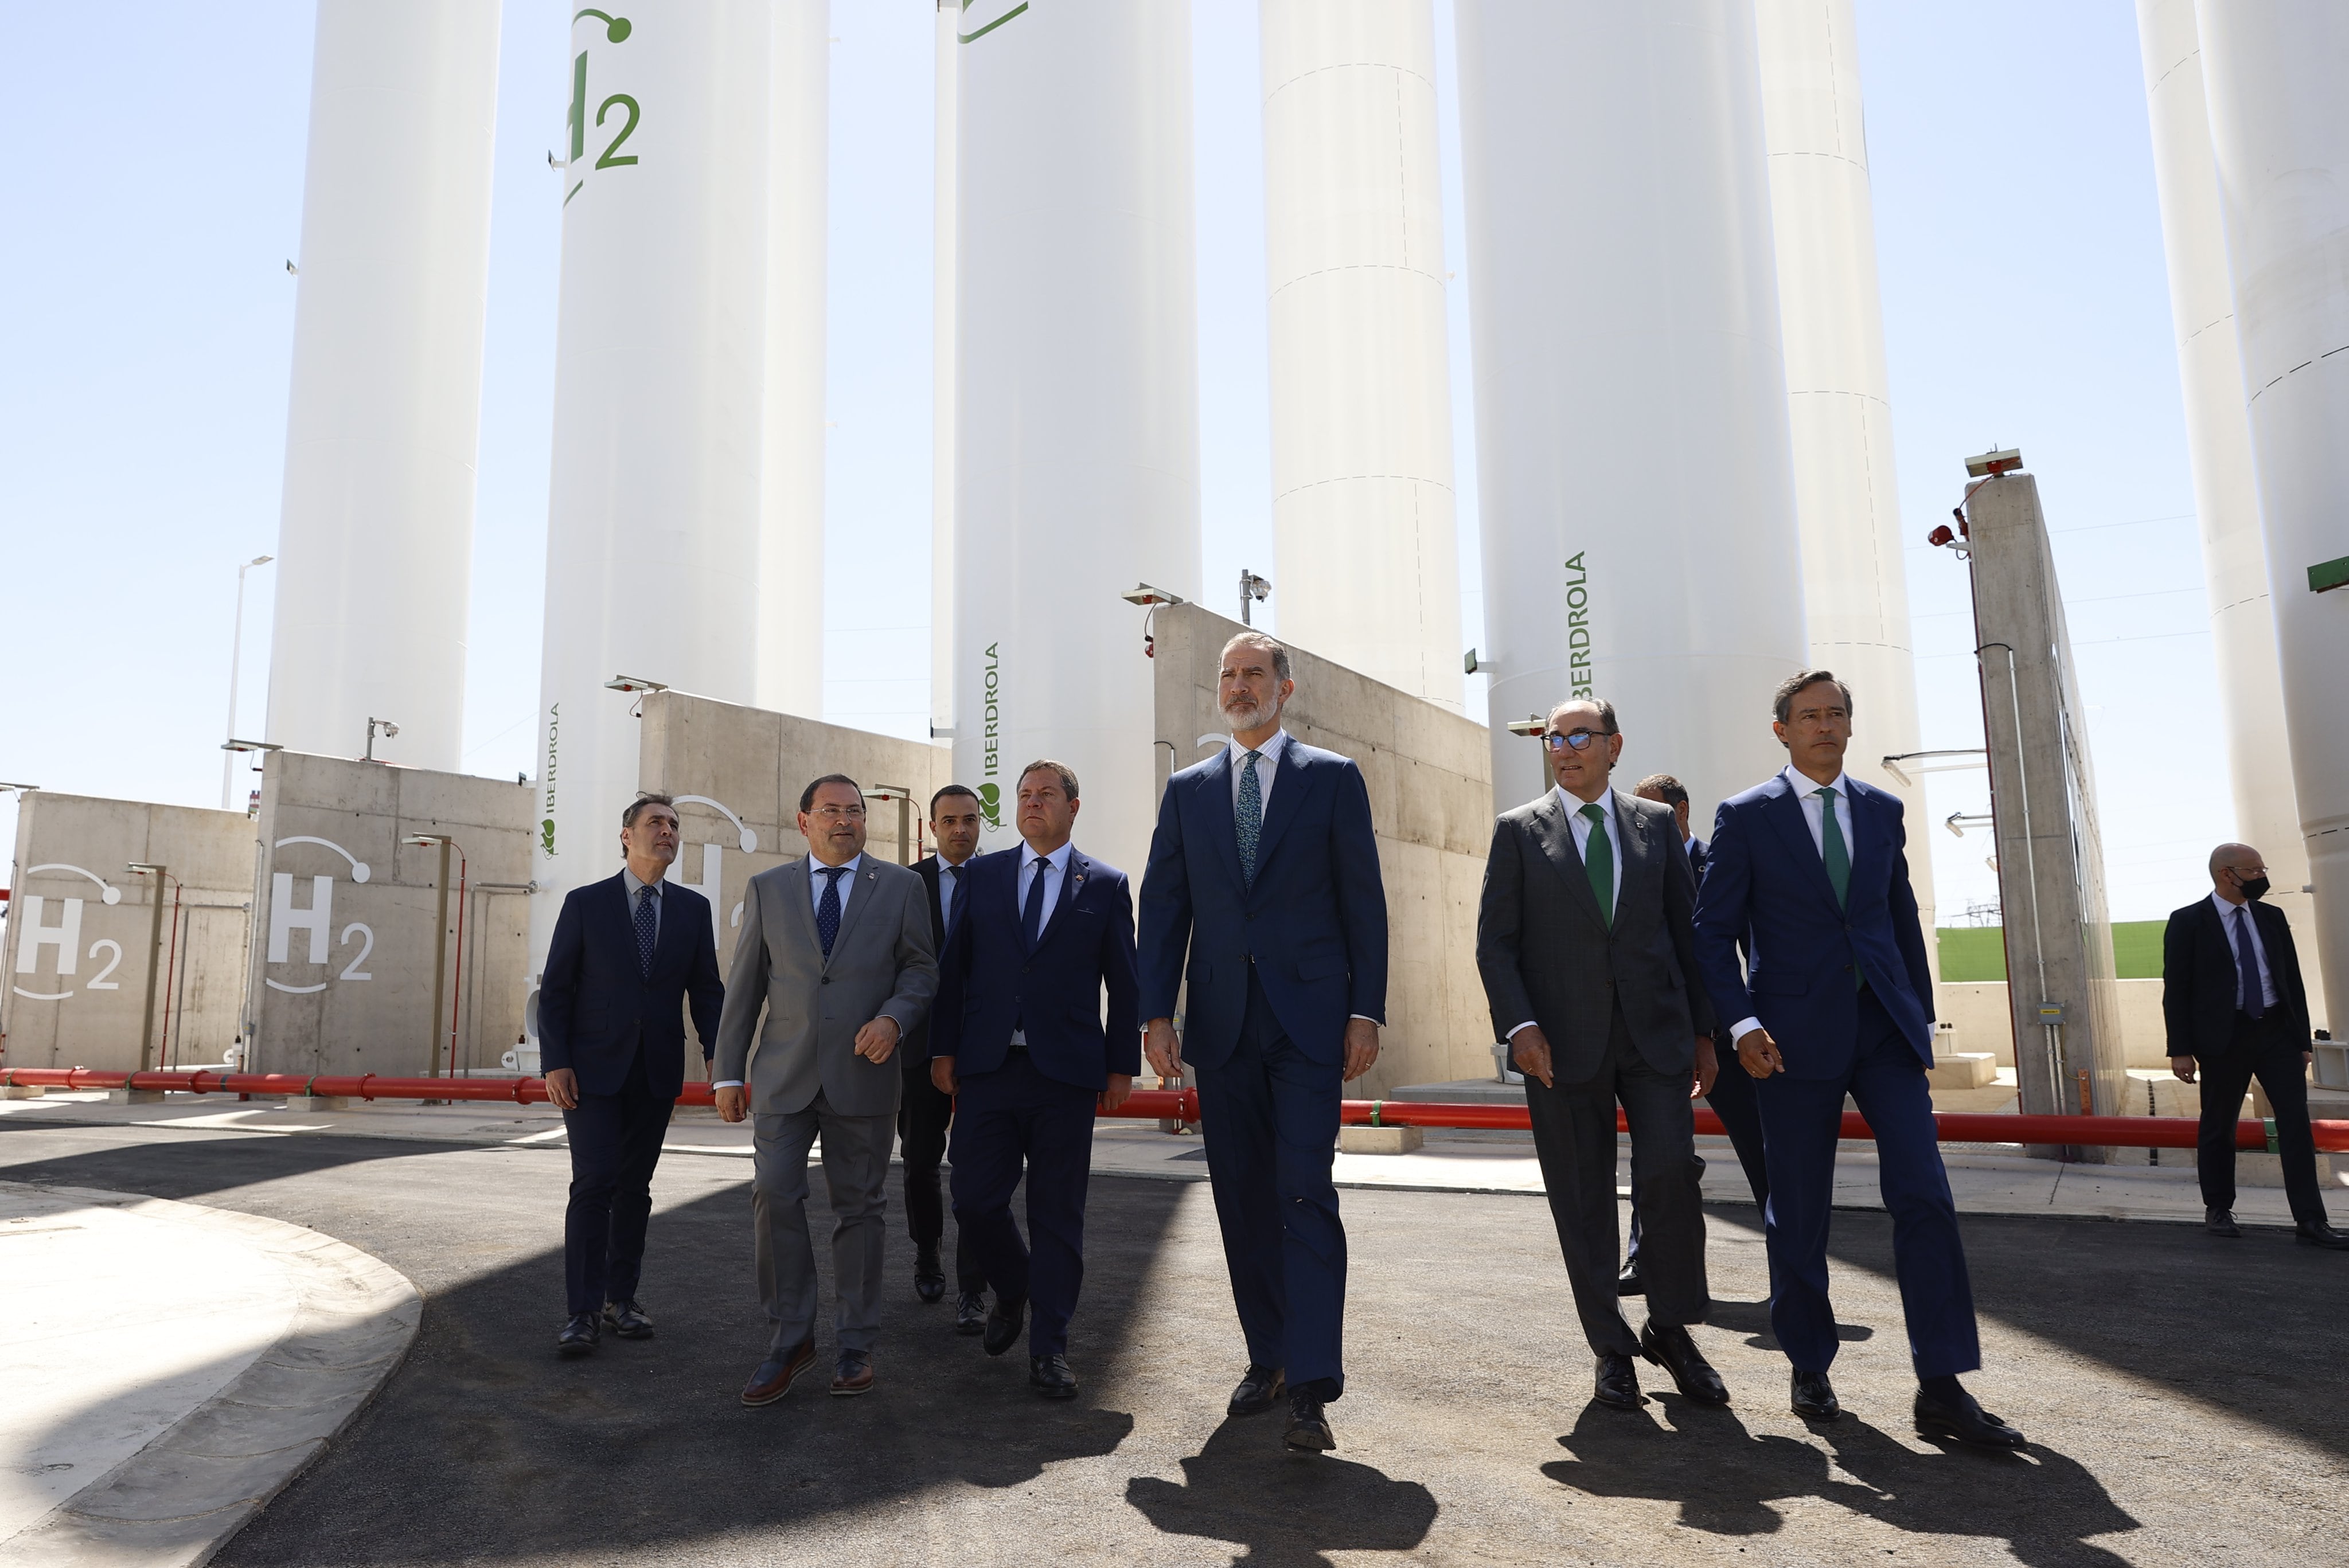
{"x": 1579, "y": 739}
{"x": 838, "y": 813}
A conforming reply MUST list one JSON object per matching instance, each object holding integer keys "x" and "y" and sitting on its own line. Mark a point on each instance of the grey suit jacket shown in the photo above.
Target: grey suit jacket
{"x": 1545, "y": 955}
{"x": 884, "y": 964}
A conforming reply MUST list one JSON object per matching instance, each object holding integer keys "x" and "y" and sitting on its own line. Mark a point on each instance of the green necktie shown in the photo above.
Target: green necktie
{"x": 1832, "y": 849}
{"x": 1599, "y": 863}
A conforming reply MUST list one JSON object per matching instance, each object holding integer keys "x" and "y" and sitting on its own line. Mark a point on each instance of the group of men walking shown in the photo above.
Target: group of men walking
{"x": 1002, "y": 1001}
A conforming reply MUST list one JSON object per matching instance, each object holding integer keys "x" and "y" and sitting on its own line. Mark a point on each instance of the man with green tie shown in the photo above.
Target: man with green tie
{"x": 1586, "y": 948}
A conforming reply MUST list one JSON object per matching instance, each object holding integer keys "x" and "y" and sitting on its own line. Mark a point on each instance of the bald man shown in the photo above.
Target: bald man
{"x": 2236, "y": 1009}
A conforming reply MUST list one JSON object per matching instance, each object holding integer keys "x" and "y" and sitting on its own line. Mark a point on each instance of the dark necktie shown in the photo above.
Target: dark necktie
{"x": 1832, "y": 849}
{"x": 950, "y": 890}
{"x": 827, "y": 911}
{"x": 1247, "y": 817}
{"x": 2247, "y": 967}
{"x": 1031, "y": 917}
{"x": 647, "y": 913}
{"x": 1598, "y": 864}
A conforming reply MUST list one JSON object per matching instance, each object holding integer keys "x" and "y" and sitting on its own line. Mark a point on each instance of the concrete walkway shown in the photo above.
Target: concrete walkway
{"x": 169, "y": 1367}
{"x": 1985, "y": 1180}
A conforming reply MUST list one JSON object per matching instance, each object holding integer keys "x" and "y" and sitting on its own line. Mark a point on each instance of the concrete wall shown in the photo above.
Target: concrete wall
{"x": 344, "y": 934}
{"x": 1979, "y": 1010}
{"x": 1429, "y": 772}
{"x": 78, "y": 998}
{"x": 737, "y": 773}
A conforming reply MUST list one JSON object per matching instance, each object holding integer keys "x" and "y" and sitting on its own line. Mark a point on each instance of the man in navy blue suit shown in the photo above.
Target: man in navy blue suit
{"x": 1809, "y": 869}
{"x": 1732, "y": 1095}
{"x": 1017, "y": 1037}
{"x": 629, "y": 954}
{"x": 1264, "y": 873}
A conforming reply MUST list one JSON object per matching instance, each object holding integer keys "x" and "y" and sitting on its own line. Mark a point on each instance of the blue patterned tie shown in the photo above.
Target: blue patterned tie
{"x": 2247, "y": 967}
{"x": 827, "y": 911}
{"x": 647, "y": 912}
{"x": 1248, "y": 817}
{"x": 1031, "y": 918}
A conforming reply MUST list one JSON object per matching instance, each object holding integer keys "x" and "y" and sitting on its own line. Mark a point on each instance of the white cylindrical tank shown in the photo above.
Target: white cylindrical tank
{"x": 2219, "y": 445}
{"x": 375, "y": 547}
{"x": 1637, "y": 498}
{"x": 790, "y": 537}
{"x": 2279, "y": 139}
{"x": 1076, "y": 457}
{"x": 1838, "y": 407}
{"x": 656, "y": 513}
{"x": 944, "y": 141}
{"x": 1366, "y": 563}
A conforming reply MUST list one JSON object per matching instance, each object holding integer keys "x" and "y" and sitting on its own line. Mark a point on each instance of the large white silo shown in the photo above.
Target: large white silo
{"x": 1076, "y": 459}
{"x": 2279, "y": 139}
{"x": 945, "y": 137}
{"x": 1838, "y": 404}
{"x": 376, "y": 543}
{"x": 1632, "y": 449}
{"x": 2219, "y": 445}
{"x": 1366, "y": 562}
{"x": 790, "y": 479}
{"x": 660, "y": 519}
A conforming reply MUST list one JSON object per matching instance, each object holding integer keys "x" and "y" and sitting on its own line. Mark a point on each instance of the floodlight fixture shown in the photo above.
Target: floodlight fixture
{"x": 251, "y": 746}
{"x": 1990, "y": 464}
{"x": 1142, "y": 593}
{"x": 633, "y": 683}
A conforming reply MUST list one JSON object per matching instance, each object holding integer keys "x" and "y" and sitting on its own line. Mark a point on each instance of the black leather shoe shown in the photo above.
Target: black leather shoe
{"x": 1629, "y": 1282}
{"x": 627, "y": 1319}
{"x": 2221, "y": 1222}
{"x": 2315, "y": 1235}
{"x": 1616, "y": 1384}
{"x": 1003, "y": 1325}
{"x": 970, "y": 1313}
{"x": 578, "y": 1336}
{"x": 1813, "y": 1396}
{"x": 1969, "y": 1424}
{"x": 929, "y": 1279}
{"x": 1257, "y": 1390}
{"x": 1309, "y": 1429}
{"x": 1050, "y": 1375}
{"x": 1670, "y": 1348}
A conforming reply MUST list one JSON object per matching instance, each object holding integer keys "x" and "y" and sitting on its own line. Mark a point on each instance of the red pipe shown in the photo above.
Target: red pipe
{"x": 1158, "y": 1104}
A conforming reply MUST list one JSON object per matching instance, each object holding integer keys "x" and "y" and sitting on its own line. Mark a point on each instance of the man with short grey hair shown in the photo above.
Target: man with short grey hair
{"x": 836, "y": 950}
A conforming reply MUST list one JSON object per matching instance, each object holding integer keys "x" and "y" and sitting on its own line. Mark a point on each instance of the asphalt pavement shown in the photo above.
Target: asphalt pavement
{"x": 2184, "y": 1395}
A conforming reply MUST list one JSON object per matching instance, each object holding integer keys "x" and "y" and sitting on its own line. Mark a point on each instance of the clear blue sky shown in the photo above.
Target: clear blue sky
{"x": 155, "y": 195}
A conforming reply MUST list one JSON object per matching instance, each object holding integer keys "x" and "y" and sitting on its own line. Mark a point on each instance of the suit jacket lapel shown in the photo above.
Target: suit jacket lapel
{"x": 1555, "y": 834}
{"x": 1639, "y": 849}
{"x": 1214, "y": 788}
{"x": 795, "y": 892}
{"x": 1785, "y": 813}
{"x": 1870, "y": 838}
{"x": 1290, "y": 779}
{"x": 1071, "y": 879}
{"x": 672, "y": 927}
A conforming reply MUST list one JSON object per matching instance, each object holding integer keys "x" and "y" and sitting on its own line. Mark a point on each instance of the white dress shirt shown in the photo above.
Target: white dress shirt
{"x": 1803, "y": 788}
{"x": 1055, "y": 870}
{"x": 638, "y": 888}
{"x": 949, "y": 889}
{"x": 2268, "y": 998}
{"x": 1267, "y": 763}
{"x": 815, "y": 901}
{"x": 1581, "y": 826}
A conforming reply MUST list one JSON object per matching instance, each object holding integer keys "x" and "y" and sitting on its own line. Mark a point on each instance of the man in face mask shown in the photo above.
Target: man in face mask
{"x": 2232, "y": 998}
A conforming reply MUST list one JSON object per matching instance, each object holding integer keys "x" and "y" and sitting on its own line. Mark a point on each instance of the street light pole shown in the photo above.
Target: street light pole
{"x": 235, "y": 659}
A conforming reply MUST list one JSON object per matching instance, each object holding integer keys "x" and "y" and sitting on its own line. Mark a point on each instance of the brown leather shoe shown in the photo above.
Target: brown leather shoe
{"x": 773, "y": 1378}
{"x": 855, "y": 1375}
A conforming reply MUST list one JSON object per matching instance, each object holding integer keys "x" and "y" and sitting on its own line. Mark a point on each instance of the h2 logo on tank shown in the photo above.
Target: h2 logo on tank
{"x": 615, "y": 30}
{"x": 33, "y": 933}
{"x": 316, "y": 923}
{"x": 713, "y": 860}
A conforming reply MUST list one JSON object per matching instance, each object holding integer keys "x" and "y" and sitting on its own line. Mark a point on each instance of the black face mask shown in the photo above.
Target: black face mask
{"x": 2251, "y": 887}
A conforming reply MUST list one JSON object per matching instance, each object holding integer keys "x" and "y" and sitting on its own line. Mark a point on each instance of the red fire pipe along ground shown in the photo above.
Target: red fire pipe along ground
{"x": 1150, "y": 1105}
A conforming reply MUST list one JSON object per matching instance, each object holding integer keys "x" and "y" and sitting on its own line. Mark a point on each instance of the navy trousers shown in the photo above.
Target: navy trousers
{"x": 1013, "y": 1116}
{"x": 1799, "y": 1122}
{"x": 1732, "y": 1100}
{"x": 1270, "y": 1115}
{"x": 923, "y": 1115}
{"x": 616, "y": 1142}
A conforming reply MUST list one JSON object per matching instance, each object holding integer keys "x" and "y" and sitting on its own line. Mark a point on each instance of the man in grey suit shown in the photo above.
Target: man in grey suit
{"x": 1588, "y": 951}
{"x": 837, "y": 949}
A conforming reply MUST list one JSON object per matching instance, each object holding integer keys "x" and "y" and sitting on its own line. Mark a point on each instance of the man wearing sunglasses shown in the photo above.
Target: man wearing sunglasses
{"x": 1588, "y": 952}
